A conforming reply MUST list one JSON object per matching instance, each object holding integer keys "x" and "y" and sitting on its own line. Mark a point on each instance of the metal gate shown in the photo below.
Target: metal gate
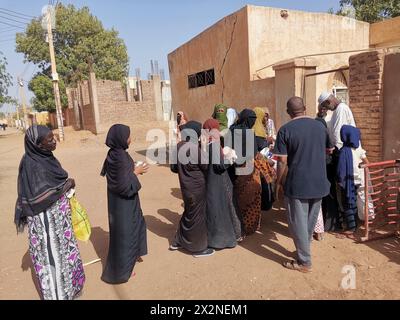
{"x": 382, "y": 188}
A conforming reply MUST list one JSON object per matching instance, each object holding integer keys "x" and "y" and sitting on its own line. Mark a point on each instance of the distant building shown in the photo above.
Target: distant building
{"x": 96, "y": 105}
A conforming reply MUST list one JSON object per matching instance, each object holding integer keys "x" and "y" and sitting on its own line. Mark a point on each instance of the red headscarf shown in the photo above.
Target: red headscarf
{"x": 212, "y": 126}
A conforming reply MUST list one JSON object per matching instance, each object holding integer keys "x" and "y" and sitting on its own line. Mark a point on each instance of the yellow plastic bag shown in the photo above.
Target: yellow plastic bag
{"x": 80, "y": 220}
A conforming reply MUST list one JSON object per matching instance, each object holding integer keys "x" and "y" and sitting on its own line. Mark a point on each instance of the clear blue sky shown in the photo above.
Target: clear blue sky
{"x": 151, "y": 28}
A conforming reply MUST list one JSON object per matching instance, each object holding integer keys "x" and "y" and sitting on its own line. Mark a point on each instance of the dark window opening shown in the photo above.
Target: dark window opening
{"x": 210, "y": 77}
{"x": 192, "y": 81}
{"x": 201, "y": 79}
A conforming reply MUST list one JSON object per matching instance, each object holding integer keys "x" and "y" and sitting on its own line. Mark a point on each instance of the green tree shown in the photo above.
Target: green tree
{"x": 80, "y": 40}
{"x": 5, "y": 81}
{"x": 43, "y": 100}
{"x": 370, "y": 10}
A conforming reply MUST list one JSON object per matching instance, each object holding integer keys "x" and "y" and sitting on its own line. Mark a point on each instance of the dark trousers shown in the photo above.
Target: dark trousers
{"x": 330, "y": 206}
{"x": 350, "y": 213}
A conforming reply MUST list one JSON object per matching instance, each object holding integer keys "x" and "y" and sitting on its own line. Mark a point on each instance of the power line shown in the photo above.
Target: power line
{"x": 6, "y": 29}
{"x": 10, "y": 19}
{"x": 21, "y": 14}
{"x": 11, "y": 32}
{"x": 14, "y": 15}
{"x": 12, "y": 25}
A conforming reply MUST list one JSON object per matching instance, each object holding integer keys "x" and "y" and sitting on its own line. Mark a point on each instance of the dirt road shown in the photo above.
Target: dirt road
{"x": 250, "y": 271}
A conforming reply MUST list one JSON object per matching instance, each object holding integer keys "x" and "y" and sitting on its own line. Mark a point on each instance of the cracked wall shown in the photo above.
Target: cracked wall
{"x": 224, "y": 47}
{"x": 252, "y": 38}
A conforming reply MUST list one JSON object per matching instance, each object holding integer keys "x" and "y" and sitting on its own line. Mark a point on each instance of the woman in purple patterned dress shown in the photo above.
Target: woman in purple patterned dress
{"x": 43, "y": 207}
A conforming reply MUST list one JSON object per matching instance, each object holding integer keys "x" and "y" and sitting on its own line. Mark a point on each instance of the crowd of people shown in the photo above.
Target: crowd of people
{"x": 316, "y": 162}
{"x": 221, "y": 207}
{"x": 313, "y": 161}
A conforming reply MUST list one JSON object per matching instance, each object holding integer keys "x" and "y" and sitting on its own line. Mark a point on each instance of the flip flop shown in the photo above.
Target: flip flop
{"x": 351, "y": 236}
{"x": 346, "y": 235}
{"x": 293, "y": 265}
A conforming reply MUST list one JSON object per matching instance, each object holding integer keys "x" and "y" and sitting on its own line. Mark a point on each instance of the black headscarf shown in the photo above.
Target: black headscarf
{"x": 119, "y": 166}
{"x": 187, "y": 131}
{"x": 41, "y": 178}
{"x": 247, "y": 119}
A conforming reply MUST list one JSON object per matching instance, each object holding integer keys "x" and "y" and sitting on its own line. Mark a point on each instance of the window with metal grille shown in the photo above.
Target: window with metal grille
{"x": 192, "y": 81}
{"x": 210, "y": 77}
{"x": 201, "y": 79}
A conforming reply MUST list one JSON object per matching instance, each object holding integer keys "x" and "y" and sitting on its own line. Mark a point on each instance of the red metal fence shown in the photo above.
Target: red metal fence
{"x": 382, "y": 187}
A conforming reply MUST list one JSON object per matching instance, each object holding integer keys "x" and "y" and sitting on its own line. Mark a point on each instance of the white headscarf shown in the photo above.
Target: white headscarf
{"x": 231, "y": 114}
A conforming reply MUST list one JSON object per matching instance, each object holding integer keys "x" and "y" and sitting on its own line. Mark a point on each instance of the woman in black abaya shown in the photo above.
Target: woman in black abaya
{"x": 128, "y": 241}
{"x": 192, "y": 167}
{"x": 223, "y": 224}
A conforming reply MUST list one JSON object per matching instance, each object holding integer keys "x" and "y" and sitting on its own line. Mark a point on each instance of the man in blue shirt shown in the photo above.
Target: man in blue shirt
{"x": 301, "y": 146}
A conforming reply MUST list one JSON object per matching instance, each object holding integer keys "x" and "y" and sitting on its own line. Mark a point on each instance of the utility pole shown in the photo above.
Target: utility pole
{"x": 23, "y": 101}
{"x": 55, "y": 76}
{"x": 17, "y": 108}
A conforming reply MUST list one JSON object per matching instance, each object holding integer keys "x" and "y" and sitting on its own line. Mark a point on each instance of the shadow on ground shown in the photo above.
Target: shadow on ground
{"x": 265, "y": 242}
{"x": 26, "y": 264}
{"x": 100, "y": 240}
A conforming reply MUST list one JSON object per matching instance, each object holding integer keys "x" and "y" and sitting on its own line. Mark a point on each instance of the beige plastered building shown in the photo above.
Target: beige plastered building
{"x": 261, "y": 56}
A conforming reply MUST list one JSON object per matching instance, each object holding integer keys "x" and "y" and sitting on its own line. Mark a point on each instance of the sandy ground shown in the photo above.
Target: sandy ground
{"x": 251, "y": 271}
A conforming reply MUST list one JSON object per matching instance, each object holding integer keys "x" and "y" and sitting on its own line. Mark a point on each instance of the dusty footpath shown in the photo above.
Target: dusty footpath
{"x": 251, "y": 271}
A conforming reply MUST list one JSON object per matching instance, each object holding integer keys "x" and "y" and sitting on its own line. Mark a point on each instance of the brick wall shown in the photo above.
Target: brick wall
{"x": 70, "y": 116}
{"x": 113, "y": 105}
{"x": 67, "y": 116}
{"x": 125, "y": 113}
{"x": 111, "y": 91}
{"x": 147, "y": 90}
{"x": 366, "y": 100}
{"x": 84, "y": 103}
{"x": 85, "y": 96}
{"x": 88, "y": 118}
{"x": 71, "y": 95}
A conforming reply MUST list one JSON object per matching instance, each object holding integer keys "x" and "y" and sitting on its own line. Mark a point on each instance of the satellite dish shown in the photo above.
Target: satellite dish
{"x": 21, "y": 82}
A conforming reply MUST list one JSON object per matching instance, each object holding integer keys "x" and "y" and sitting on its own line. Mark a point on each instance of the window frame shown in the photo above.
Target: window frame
{"x": 201, "y": 79}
